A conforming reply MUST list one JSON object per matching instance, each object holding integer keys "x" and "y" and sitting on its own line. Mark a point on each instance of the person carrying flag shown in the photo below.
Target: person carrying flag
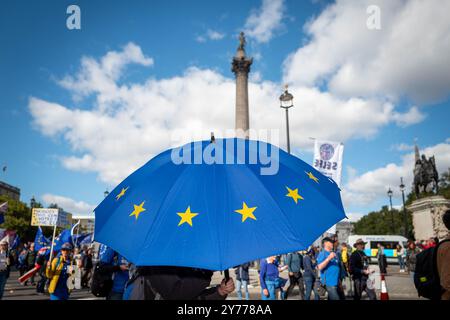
{"x": 58, "y": 271}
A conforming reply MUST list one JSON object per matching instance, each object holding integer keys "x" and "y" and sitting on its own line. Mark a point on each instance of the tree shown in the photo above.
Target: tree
{"x": 18, "y": 218}
{"x": 380, "y": 222}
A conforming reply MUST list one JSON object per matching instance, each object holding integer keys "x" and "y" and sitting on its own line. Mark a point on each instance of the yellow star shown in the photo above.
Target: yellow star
{"x": 246, "y": 212}
{"x": 137, "y": 210}
{"x": 186, "y": 216}
{"x": 312, "y": 177}
{"x": 294, "y": 194}
{"x": 122, "y": 193}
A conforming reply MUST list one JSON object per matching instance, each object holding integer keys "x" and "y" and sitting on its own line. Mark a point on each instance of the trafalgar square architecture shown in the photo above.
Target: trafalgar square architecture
{"x": 241, "y": 68}
{"x": 428, "y": 209}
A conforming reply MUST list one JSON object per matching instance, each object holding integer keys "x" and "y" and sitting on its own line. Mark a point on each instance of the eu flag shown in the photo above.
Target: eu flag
{"x": 63, "y": 237}
{"x": 217, "y": 204}
{"x": 40, "y": 240}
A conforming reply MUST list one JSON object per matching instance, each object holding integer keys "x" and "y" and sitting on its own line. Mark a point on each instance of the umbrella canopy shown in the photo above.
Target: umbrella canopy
{"x": 238, "y": 201}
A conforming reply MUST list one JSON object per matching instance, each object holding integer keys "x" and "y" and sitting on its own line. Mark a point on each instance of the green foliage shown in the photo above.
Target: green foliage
{"x": 18, "y": 217}
{"x": 380, "y": 222}
{"x": 384, "y": 222}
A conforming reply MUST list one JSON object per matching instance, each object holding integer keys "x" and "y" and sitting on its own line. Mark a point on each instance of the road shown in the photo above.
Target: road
{"x": 400, "y": 287}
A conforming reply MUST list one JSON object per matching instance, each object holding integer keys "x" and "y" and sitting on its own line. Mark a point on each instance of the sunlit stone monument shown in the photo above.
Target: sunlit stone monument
{"x": 427, "y": 210}
{"x": 241, "y": 68}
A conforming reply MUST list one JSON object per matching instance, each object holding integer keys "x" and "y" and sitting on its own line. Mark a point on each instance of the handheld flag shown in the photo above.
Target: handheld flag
{"x": 40, "y": 240}
{"x": 62, "y": 238}
{"x": 16, "y": 242}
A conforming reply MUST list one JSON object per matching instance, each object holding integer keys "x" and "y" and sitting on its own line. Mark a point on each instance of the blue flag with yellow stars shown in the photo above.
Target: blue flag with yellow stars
{"x": 40, "y": 240}
{"x": 218, "y": 204}
{"x": 63, "y": 237}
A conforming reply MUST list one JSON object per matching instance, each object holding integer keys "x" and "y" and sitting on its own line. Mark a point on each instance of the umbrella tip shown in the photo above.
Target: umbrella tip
{"x": 213, "y": 139}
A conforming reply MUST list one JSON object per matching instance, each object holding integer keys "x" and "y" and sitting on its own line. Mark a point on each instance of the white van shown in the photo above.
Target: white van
{"x": 389, "y": 243}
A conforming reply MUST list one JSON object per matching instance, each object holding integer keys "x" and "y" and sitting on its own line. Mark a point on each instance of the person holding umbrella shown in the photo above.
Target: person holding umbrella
{"x": 175, "y": 283}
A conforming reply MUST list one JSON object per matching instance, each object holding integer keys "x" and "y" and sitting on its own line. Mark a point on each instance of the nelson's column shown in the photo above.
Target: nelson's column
{"x": 241, "y": 67}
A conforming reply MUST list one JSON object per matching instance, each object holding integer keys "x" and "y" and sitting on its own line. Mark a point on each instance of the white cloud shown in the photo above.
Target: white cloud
{"x": 68, "y": 204}
{"x": 131, "y": 122}
{"x": 210, "y": 34}
{"x": 402, "y": 147}
{"x": 263, "y": 22}
{"x": 407, "y": 57}
{"x": 354, "y": 216}
{"x": 215, "y": 35}
{"x": 372, "y": 185}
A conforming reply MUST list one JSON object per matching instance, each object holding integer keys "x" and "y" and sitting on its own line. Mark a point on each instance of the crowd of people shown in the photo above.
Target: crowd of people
{"x": 53, "y": 275}
{"x": 335, "y": 270}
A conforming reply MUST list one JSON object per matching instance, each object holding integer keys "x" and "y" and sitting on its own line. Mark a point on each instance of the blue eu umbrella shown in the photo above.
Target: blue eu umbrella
{"x": 215, "y": 205}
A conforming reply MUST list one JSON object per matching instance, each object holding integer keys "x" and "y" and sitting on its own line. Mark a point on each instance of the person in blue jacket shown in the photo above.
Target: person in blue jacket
{"x": 269, "y": 277}
{"x": 111, "y": 261}
{"x": 310, "y": 275}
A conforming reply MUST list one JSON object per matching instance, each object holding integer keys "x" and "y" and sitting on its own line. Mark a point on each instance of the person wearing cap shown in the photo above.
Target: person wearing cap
{"x": 5, "y": 264}
{"x": 58, "y": 271}
{"x": 359, "y": 269}
{"x": 328, "y": 264}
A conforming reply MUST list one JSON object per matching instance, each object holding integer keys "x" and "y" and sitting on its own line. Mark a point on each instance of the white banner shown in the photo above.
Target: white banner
{"x": 328, "y": 159}
{"x": 44, "y": 217}
{"x": 50, "y": 217}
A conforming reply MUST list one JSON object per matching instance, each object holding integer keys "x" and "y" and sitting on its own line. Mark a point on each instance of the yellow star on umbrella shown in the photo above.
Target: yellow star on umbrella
{"x": 312, "y": 177}
{"x": 137, "y": 210}
{"x": 122, "y": 193}
{"x": 293, "y": 193}
{"x": 186, "y": 216}
{"x": 246, "y": 212}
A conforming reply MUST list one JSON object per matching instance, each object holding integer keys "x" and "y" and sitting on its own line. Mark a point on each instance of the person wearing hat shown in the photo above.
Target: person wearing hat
{"x": 328, "y": 264}
{"x": 5, "y": 264}
{"x": 58, "y": 271}
{"x": 359, "y": 269}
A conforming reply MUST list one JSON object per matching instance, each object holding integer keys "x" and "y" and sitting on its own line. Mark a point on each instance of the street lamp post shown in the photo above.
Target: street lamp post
{"x": 32, "y": 203}
{"x": 286, "y": 102}
{"x": 390, "y": 193}
{"x": 402, "y": 189}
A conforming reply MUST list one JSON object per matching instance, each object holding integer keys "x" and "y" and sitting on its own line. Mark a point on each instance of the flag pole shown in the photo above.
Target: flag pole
{"x": 53, "y": 241}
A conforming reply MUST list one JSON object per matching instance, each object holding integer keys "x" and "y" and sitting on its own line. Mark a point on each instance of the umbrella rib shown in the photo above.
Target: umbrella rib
{"x": 275, "y": 202}
{"x": 320, "y": 193}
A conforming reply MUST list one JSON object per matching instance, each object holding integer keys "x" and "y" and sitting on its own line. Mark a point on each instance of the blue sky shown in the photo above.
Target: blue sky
{"x": 377, "y": 101}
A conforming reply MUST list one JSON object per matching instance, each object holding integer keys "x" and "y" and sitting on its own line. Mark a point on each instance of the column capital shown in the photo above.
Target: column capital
{"x": 241, "y": 64}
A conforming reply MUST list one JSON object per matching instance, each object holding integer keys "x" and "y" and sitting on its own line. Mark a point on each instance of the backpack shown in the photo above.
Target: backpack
{"x": 426, "y": 276}
{"x": 102, "y": 282}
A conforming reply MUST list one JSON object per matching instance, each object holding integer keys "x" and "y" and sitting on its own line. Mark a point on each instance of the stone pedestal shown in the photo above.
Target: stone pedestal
{"x": 427, "y": 217}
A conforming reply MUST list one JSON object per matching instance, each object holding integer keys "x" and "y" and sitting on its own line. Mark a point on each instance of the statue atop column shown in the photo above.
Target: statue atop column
{"x": 240, "y": 66}
{"x": 242, "y": 41}
{"x": 426, "y": 177}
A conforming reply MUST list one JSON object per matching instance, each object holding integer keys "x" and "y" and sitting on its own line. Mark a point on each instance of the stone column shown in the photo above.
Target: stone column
{"x": 241, "y": 67}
